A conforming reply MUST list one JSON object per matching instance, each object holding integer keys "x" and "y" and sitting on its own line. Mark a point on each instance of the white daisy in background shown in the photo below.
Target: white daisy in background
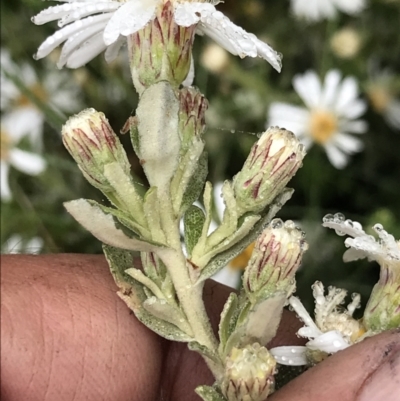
{"x": 317, "y": 10}
{"x": 382, "y": 96}
{"x": 12, "y": 131}
{"x": 57, "y": 90}
{"x": 332, "y": 111}
{"x": 92, "y": 26}
{"x": 334, "y": 328}
{"x": 15, "y": 244}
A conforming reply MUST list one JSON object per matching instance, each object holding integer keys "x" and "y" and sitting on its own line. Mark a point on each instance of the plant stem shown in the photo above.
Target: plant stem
{"x": 190, "y": 295}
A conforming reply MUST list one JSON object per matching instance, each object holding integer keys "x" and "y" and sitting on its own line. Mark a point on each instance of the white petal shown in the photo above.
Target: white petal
{"x": 27, "y": 162}
{"x": 92, "y": 48}
{"x": 331, "y": 86}
{"x": 354, "y": 110}
{"x": 302, "y": 313}
{"x": 12, "y": 245}
{"x": 292, "y": 118}
{"x": 336, "y": 156}
{"x": 129, "y": 18}
{"x": 308, "y": 87}
{"x": 188, "y": 14}
{"x": 221, "y": 29}
{"x": 55, "y": 12}
{"x": 329, "y": 342}
{"x": 113, "y": 50}
{"x": 34, "y": 245}
{"x": 63, "y": 34}
{"x": 228, "y": 276}
{"x": 73, "y": 43}
{"x": 347, "y": 93}
{"x": 290, "y": 355}
{"x": 350, "y": 6}
{"x": 355, "y": 127}
{"x": 85, "y": 10}
{"x": 392, "y": 114}
{"x": 5, "y": 191}
{"x": 348, "y": 143}
{"x": 24, "y": 121}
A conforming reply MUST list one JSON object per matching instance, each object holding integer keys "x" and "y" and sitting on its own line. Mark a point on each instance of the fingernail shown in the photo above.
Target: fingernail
{"x": 383, "y": 384}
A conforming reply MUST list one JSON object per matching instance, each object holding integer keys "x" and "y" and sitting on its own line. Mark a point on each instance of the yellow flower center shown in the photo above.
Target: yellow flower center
{"x": 240, "y": 262}
{"x": 37, "y": 90}
{"x": 5, "y": 144}
{"x": 379, "y": 98}
{"x": 323, "y": 125}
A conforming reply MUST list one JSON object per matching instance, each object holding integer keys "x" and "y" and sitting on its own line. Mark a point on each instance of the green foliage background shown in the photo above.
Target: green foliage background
{"x": 367, "y": 190}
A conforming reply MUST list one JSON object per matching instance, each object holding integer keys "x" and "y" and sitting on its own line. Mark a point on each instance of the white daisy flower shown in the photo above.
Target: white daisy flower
{"x": 16, "y": 245}
{"x": 332, "y": 111}
{"x": 316, "y": 10}
{"x": 90, "y": 27}
{"x": 382, "y": 96}
{"x": 334, "y": 328}
{"x": 57, "y": 90}
{"x": 12, "y": 131}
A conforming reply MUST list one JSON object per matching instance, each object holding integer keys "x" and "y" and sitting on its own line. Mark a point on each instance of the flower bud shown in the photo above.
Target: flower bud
{"x": 383, "y": 309}
{"x": 274, "y": 159}
{"x": 249, "y": 374}
{"x": 192, "y": 109}
{"x": 93, "y": 144}
{"x": 276, "y": 257}
{"x": 161, "y": 51}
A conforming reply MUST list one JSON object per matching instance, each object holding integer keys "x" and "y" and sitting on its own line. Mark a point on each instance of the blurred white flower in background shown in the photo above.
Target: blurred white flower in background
{"x": 316, "y": 10}
{"x": 332, "y": 111}
{"x": 15, "y": 244}
{"x": 346, "y": 43}
{"x": 381, "y": 91}
{"x": 90, "y": 27}
{"x": 57, "y": 91}
{"x": 12, "y": 131}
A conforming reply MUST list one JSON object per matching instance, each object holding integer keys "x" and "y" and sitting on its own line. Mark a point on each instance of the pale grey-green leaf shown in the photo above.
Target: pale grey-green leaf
{"x": 193, "y": 226}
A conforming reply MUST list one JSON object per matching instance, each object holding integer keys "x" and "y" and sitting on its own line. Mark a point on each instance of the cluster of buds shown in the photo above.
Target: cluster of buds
{"x": 249, "y": 374}
{"x": 93, "y": 144}
{"x": 273, "y": 161}
{"x": 275, "y": 259}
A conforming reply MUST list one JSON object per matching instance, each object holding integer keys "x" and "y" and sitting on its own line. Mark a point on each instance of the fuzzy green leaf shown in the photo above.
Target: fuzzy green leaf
{"x": 193, "y": 222}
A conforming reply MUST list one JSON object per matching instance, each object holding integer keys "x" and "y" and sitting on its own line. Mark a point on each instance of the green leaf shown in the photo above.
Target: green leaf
{"x": 152, "y": 212}
{"x": 133, "y": 294}
{"x": 196, "y": 184}
{"x": 104, "y": 225}
{"x": 225, "y": 324}
{"x": 203, "y": 350}
{"x": 229, "y": 220}
{"x": 138, "y": 275}
{"x": 161, "y": 309}
{"x": 187, "y": 169}
{"x": 208, "y": 393}
{"x": 224, "y": 257}
{"x": 193, "y": 222}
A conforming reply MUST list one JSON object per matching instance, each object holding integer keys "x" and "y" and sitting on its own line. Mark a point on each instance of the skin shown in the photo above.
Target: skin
{"x": 66, "y": 336}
